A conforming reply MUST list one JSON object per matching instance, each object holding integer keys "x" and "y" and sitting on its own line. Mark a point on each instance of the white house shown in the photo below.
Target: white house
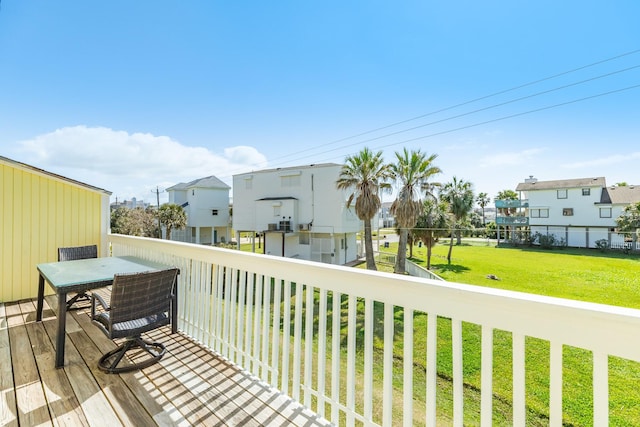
{"x": 298, "y": 211}
{"x": 580, "y": 211}
{"x": 206, "y": 203}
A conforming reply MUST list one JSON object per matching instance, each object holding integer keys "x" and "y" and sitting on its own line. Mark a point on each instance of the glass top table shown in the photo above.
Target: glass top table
{"x": 86, "y": 274}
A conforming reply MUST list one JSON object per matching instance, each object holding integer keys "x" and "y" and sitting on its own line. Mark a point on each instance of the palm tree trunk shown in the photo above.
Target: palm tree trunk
{"x": 458, "y": 237}
{"x": 368, "y": 246}
{"x": 429, "y": 254}
{"x": 401, "y": 258}
{"x": 450, "y": 248}
{"x": 410, "y": 242}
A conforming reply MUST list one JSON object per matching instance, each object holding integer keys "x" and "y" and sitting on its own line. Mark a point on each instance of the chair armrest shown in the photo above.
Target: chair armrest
{"x": 97, "y": 298}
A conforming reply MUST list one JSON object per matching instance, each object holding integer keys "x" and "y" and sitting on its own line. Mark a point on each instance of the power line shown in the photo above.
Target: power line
{"x": 501, "y": 92}
{"x": 536, "y": 110}
{"x": 476, "y": 111}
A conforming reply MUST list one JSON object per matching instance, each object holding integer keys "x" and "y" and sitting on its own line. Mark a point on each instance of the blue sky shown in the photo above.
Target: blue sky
{"x": 131, "y": 95}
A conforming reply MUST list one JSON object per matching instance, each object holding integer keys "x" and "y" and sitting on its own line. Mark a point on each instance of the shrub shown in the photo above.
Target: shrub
{"x": 602, "y": 245}
{"x": 548, "y": 241}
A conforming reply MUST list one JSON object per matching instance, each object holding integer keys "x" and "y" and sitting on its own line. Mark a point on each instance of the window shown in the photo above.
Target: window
{"x": 540, "y": 213}
{"x": 567, "y": 212}
{"x": 290, "y": 181}
{"x": 248, "y": 184}
{"x": 214, "y": 212}
{"x": 605, "y": 212}
{"x": 586, "y": 191}
{"x": 562, "y": 194}
{"x": 276, "y": 211}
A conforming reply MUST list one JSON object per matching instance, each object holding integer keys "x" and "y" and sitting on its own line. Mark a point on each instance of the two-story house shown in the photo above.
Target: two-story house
{"x": 579, "y": 211}
{"x": 206, "y": 203}
{"x": 298, "y": 211}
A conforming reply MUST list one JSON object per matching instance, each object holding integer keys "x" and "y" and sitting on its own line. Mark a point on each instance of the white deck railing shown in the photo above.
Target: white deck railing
{"x": 309, "y": 329}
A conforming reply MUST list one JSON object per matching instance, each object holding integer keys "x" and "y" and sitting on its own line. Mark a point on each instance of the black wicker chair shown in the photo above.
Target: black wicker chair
{"x": 74, "y": 253}
{"x": 140, "y": 302}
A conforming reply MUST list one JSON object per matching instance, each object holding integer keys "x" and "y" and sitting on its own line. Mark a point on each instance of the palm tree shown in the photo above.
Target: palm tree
{"x": 412, "y": 171}
{"x": 364, "y": 174}
{"x": 459, "y": 195}
{"x": 483, "y": 200}
{"x": 432, "y": 224}
{"x": 629, "y": 221}
{"x": 172, "y": 216}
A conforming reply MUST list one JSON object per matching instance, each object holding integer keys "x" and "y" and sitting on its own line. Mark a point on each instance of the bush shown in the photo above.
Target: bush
{"x": 602, "y": 245}
{"x": 548, "y": 241}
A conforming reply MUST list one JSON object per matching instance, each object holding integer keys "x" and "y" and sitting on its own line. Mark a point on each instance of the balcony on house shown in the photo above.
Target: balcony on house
{"x": 274, "y": 341}
{"x": 503, "y": 204}
{"x": 512, "y": 220}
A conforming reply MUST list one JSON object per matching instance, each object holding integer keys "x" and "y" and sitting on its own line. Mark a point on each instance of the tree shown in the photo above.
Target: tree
{"x": 134, "y": 222}
{"x": 432, "y": 224}
{"x": 364, "y": 175}
{"x": 413, "y": 172}
{"x": 483, "y": 200}
{"x": 629, "y": 221}
{"x": 506, "y": 195}
{"x": 172, "y": 216}
{"x": 459, "y": 195}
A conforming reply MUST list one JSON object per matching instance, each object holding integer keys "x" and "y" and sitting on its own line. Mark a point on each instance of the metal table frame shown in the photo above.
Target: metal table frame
{"x": 84, "y": 275}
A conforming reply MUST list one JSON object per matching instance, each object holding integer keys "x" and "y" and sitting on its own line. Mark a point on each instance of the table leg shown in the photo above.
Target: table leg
{"x": 62, "y": 326}
{"x": 40, "y": 299}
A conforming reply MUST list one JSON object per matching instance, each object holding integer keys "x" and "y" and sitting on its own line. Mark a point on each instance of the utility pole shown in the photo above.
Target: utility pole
{"x": 157, "y": 191}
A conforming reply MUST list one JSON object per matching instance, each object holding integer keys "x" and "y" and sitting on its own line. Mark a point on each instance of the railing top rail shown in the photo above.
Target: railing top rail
{"x": 607, "y": 329}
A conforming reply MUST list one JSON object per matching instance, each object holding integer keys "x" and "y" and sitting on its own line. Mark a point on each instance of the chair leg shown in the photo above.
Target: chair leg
{"x": 109, "y": 361}
{"x": 77, "y": 298}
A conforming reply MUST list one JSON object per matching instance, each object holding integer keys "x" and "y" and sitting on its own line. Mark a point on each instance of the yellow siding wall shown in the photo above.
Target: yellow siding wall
{"x": 38, "y": 214}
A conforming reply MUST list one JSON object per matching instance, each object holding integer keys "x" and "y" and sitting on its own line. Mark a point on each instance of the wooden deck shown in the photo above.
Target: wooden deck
{"x": 189, "y": 386}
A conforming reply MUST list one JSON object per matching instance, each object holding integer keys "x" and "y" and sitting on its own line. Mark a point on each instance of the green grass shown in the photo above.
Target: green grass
{"x": 587, "y": 275}
{"x": 608, "y": 278}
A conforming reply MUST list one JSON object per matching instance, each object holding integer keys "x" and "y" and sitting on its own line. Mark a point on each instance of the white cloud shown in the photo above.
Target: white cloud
{"x": 132, "y": 165}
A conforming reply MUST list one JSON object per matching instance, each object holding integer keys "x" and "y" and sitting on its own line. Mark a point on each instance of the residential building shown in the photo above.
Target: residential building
{"x": 206, "y": 203}
{"x": 577, "y": 211}
{"x": 39, "y": 212}
{"x": 385, "y": 217}
{"x": 298, "y": 211}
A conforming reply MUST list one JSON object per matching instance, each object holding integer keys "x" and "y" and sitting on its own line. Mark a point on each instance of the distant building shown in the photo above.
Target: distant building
{"x": 298, "y": 211}
{"x": 130, "y": 204}
{"x": 579, "y": 211}
{"x": 385, "y": 218}
{"x": 206, "y": 203}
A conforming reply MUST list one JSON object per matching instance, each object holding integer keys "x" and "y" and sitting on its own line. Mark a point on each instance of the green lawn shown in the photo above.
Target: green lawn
{"x": 587, "y": 275}
{"x": 609, "y": 278}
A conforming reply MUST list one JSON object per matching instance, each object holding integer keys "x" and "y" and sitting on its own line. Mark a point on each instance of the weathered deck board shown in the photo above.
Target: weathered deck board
{"x": 7, "y": 389}
{"x": 190, "y": 386}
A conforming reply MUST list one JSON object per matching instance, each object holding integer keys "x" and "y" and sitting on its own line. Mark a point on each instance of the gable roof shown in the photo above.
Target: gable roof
{"x": 620, "y": 195}
{"x": 34, "y": 169}
{"x": 291, "y": 168}
{"x": 562, "y": 183}
{"x": 206, "y": 182}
